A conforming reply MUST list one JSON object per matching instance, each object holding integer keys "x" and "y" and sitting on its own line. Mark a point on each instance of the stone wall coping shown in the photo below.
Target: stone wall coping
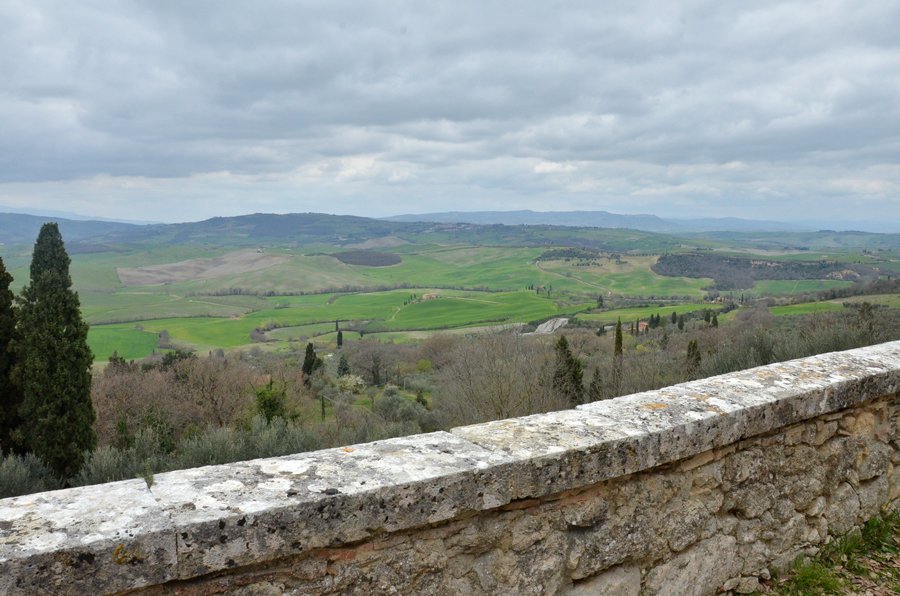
{"x": 125, "y": 535}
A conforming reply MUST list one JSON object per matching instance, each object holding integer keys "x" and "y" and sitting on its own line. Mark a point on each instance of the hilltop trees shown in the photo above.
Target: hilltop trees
{"x": 9, "y": 393}
{"x": 53, "y": 361}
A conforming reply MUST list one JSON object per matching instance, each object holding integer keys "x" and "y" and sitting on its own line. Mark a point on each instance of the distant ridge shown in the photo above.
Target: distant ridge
{"x": 605, "y": 219}
{"x": 621, "y": 233}
{"x": 23, "y": 228}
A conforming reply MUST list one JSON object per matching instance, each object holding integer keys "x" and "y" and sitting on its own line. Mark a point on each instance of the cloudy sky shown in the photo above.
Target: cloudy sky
{"x": 174, "y": 110}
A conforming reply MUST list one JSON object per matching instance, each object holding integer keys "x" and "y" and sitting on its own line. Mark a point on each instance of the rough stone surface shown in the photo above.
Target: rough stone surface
{"x": 624, "y": 580}
{"x": 682, "y": 490}
{"x": 100, "y": 539}
{"x": 707, "y": 564}
{"x": 237, "y": 514}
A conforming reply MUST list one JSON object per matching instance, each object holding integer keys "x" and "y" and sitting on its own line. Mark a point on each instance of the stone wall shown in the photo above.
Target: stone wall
{"x": 692, "y": 489}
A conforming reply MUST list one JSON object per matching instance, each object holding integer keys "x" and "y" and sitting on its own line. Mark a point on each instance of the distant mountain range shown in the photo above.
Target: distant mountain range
{"x": 22, "y": 228}
{"x": 645, "y": 222}
{"x": 620, "y": 232}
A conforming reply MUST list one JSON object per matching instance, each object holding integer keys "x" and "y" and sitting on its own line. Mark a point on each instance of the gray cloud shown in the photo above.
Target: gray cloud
{"x": 171, "y": 110}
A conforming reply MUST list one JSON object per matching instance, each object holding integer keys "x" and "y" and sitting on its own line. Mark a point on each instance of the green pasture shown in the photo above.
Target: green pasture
{"x": 220, "y": 312}
{"x": 115, "y": 307}
{"x": 632, "y": 277}
{"x": 805, "y": 308}
{"x": 129, "y": 342}
{"x": 644, "y": 312}
{"x": 394, "y": 310}
{"x": 889, "y": 300}
{"x": 298, "y": 332}
{"x": 781, "y": 287}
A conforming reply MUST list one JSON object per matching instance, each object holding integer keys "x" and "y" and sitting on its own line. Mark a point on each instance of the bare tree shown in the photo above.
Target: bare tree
{"x": 497, "y": 376}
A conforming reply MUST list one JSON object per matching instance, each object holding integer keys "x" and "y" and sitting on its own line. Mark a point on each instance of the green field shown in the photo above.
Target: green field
{"x": 644, "y": 312}
{"x": 129, "y": 342}
{"x": 795, "y": 286}
{"x": 209, "y": 312}
{"x": 213, "y": 290}
{"x": 805, "y": 308}
{"x": 306, "y": 316}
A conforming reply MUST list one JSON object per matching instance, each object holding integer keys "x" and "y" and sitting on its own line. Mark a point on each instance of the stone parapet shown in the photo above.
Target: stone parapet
{"x": 641, "y": 494}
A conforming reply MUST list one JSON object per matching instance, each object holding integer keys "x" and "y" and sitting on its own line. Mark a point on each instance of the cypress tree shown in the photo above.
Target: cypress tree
{"x": 617, "y": 348}
{"x": 595, "y": 389}
{"x": 715, "y": 320}
{"x": 692, "y": 360}
{"x": 340, "y": 339}
{"x": 568, "y": 375}
{"x": 311, "y": 363}
{"x": 10, "y": 396}
{"x": 674, "y": 317}
{"x": 681, "y": 322}
{"x": 617, "y": 359}
{"x": 53, "y": 361}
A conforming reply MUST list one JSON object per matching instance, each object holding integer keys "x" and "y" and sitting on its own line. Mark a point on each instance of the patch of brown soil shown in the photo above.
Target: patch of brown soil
{"x": 233, "y": 263}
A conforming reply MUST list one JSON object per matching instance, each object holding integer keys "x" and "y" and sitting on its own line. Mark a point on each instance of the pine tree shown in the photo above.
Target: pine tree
{"x": 53, "y": 361}
{"x": 343, "y": 368}
{"x": 10, "y": 396}
{"x": 568, "y": 375}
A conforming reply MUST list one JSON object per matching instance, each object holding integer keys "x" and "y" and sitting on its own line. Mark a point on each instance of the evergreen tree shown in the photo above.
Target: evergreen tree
{"x": 692, "y": 360}
{"x": 311, "y": 363}
{"x": 707, "y": 315}
{"x": 568, "y": 375}
{"x": 10, "y": 396}
{"x": 343, "y": 368}
{"x": 340, "y": 339}
{"x": 617, "y": 359}
{"x": 595, "y": 389}
{"x": 53, "y": 361}
{"x": 681, "y": 322}
{"x": 617, "y": 348}
{"x": 715, "y": 320}
{"x": 674, "y": 317}
{"x": 270, "y": 401}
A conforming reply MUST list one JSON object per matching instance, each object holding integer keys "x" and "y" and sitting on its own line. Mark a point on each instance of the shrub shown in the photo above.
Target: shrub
{"x": 22, "y": 475}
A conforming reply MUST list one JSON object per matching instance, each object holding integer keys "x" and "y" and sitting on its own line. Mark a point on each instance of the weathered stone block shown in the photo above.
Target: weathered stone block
{"x": 93, "y": 539}
{"x": 624, "y": 580}
{"x": 701, "y": 569}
